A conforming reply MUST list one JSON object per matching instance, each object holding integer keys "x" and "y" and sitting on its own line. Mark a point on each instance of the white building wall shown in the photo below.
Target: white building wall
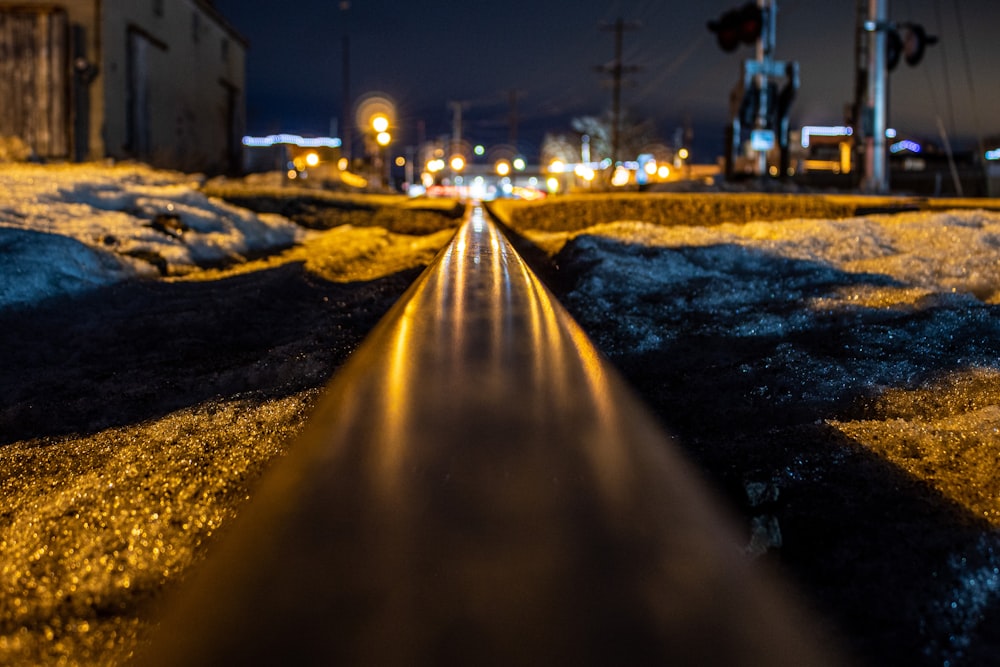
{"x": 195, "y": 91}
{"x": 188, "y": 111}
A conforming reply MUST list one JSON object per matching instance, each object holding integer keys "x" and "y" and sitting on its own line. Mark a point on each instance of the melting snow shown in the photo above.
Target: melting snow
{"x": 921, "y": 288}
{"x": 69, "y": 228}
{"x": 902, "y": 308}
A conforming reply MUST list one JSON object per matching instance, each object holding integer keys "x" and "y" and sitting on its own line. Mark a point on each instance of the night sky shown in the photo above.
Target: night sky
{"x": 424, "y": 55}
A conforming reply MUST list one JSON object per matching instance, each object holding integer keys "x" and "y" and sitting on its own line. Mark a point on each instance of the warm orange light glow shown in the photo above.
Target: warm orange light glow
{"x": 458, "y": 163}
{"x": 400, "y": 161}
{"x": 503, "y": 167}
{"x": 383, "y": 138}
{"x": 620, "y": 177}
{"x": 380, "y": 123}
{"x": 312, "y": 159}
{"x": 584, "y": 172}
{"x": 342, "y": 164}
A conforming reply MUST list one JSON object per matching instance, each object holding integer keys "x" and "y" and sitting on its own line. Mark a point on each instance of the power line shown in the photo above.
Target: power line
{"x": 947, "y": 75}
{"x": 969, "y": 79}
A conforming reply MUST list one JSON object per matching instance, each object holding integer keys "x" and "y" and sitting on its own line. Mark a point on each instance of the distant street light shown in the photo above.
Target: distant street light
{"x": 503, "y": 168}
{"x": 457, "y": 163}
{"x": 380, "y": 126}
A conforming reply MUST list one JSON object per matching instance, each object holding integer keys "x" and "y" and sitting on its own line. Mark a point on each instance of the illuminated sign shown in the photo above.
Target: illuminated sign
{"x": 824, "y": 131}
{"x": 292, "y": 139}
{"x": 905, "y": 145}
{"x": 762, "y": 140}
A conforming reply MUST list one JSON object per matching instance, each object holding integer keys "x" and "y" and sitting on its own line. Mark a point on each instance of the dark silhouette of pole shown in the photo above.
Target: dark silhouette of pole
{"x": 859, "y": 121}
{"x": 876, "y": 175}
{"x": 345, "y": 148}
{"x": 617, "y": 69}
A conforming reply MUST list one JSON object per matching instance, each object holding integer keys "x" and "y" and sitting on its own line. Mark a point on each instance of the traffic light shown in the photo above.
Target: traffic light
{"x": 738, "y": 26}
{"x": 916, "y": 42}
{"x": 909, "y": 41}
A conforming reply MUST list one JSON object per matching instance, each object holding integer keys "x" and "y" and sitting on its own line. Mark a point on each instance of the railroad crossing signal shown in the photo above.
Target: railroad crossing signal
{"x": 908, "y": 41}
{"x": 742, "y": 25}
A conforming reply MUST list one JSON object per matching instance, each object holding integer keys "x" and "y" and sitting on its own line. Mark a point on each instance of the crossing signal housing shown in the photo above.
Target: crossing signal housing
{"x": 742, "y": 25}
{"x": 907, "y": 42}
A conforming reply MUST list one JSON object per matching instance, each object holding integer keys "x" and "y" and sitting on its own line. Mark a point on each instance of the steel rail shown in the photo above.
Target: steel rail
{"x": 478, "y": 487}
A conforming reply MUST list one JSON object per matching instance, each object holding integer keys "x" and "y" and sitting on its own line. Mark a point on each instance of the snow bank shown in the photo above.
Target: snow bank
{"x": 37, "y": 265}
{"x": 124, "y": 221}
{"x": 892, "y": 316}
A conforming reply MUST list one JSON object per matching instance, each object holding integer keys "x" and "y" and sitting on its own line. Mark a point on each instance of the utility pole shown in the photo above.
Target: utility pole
{"x": 348, "y": 119}
{"x": 877, "y": 26}
{"x": 858, "y": 115}
{"x": 617, "y": 69}
{"x": 765, "y": 56}
{"x": 456, "y": 125}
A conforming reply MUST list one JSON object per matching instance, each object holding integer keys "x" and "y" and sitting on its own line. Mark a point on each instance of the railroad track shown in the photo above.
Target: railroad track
{"x": 478, "y": 487}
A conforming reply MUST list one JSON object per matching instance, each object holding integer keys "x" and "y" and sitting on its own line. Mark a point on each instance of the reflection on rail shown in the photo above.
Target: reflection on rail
{"x": 477, "y": 487}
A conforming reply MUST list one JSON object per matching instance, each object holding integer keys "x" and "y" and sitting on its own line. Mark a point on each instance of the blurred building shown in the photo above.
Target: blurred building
{"x": 160, "y": 81}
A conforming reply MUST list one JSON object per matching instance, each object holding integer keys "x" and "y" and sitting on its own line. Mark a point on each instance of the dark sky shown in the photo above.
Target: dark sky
{"x": 424, "y": 54}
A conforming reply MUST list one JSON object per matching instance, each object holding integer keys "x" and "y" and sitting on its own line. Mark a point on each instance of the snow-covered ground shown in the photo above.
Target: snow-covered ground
{"x": 884, "y": 328}
{"x": 68, "y": 228}
{"x": 900, "y": 308}
{"x": 134, "y": 420}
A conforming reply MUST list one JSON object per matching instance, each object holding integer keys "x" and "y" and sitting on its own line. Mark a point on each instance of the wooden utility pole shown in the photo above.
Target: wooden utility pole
{"x": 617, "y": 69}
{"x": 456, "y": 124}
{"x": 348, "y": 117}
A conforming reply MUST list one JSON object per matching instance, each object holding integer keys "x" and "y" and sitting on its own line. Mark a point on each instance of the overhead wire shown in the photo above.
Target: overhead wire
{"x": 970, "y": 80}
{"x": 947, "y": 73}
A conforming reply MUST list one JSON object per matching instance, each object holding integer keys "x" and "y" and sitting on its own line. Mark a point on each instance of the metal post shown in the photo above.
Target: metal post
{"x": 859, "y": 119}
{"x": 876, "y": 176}
{"x": 765, "y": 55}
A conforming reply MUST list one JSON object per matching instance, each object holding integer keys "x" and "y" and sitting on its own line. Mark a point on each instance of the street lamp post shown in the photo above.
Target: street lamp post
{"x": 380, "y": 127}
{"x": 375, "y": 117}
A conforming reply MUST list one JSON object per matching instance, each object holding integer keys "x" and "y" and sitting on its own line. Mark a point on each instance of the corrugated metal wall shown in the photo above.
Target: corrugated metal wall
{"x": 34, "y": 86}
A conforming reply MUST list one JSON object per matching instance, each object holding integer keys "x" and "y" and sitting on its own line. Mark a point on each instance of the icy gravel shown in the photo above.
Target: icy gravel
{"x": 836, "y": 379}
{"x": 834, "y": 373}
